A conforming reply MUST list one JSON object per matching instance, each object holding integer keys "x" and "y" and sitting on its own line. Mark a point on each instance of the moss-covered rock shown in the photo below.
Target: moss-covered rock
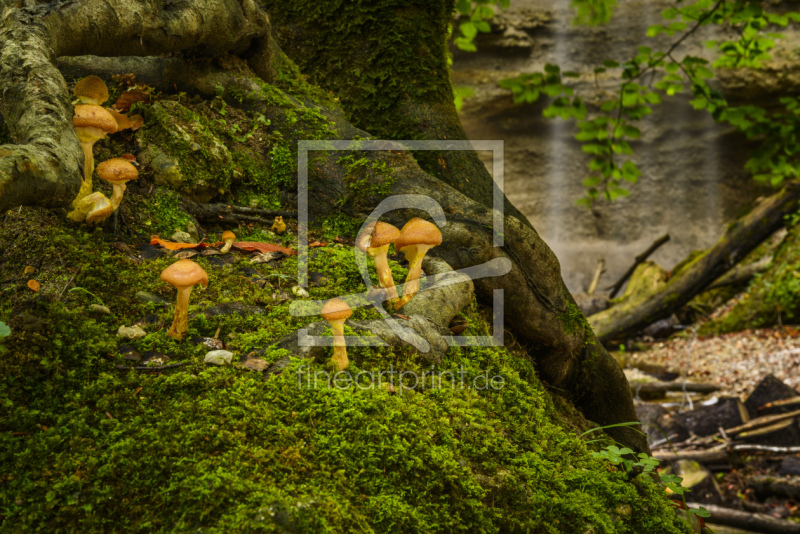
{"x": 771, "y": 296}
{"x": 184, "y": 155}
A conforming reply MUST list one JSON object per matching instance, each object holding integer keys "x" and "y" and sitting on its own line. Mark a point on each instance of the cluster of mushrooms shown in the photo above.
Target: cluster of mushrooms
{"x": 92, "y": 122}
{"x": 416, "y": 238}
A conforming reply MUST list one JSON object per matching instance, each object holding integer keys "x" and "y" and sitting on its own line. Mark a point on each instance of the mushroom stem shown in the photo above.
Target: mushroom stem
{"x": 339, "y": 358}
{"x": 116, "y": 196}
{"x": 227, "y": 246}
{"x": 411, "y": 287}
{"x": 385, "y": 272}
{"x": 88, "y": 169}
{"x": 180, "y": 325}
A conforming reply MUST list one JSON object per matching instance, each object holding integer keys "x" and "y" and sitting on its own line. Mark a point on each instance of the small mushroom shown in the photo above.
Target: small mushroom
{"x": 184, "y": 275}
{"x": 416, "y": 238}
{"x": 336, "y": 311}
{"x": 91, "y": 90}
{"x": 228, "y": 238}
{"x": 375, "y": 241}
{"x": 91, "y": 124}
{"x": 278, "y": 226}
{"x": 116, "y": 171}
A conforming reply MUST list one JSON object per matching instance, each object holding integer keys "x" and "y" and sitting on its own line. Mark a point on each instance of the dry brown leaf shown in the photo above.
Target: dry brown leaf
{"x": 34, "y": 285}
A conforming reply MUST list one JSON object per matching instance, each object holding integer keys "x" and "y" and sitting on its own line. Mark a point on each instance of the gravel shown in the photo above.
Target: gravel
{"x": 736, "y": 361}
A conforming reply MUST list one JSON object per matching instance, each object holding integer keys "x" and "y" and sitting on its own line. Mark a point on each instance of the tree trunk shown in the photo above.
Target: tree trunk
{"x": 537, "y": 304}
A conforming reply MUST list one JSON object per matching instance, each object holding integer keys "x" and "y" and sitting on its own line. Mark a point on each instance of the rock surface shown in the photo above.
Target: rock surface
{"x": 683, "y": 154}
{"x": 219, "y": 357}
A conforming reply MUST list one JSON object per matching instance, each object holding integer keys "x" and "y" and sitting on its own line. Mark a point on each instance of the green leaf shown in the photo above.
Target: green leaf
{"x": 468, "y": 29}
{"x": 465, "y": 44}
{"x": 464, "y": 7}
{"x": 670, "y": 13}
{"x": 610, "y": 63}
{"x": 483, "y": 26}
{"x": 549, "y": 68}
{"x": 5, "y": 331}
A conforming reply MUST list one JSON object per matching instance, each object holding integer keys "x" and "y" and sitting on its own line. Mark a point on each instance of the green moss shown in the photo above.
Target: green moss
{"x": 361, "y": 52}
{"x": 86, "y": 447}
{"x": 163, "y": 213}
{"x": 771, "y": 296}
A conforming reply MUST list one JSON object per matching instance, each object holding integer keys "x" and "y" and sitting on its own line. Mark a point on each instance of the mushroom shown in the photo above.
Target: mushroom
{"x": 93, "y": 205}
{"x": 183, "y": 274}
{"x": 416, "y": 238}
{"x": 91, "y": 90}
{"x": 115, "y": 171}
{"x": 375, "y": 241}
{"x": 91, "y": 124}
{"x": 336, "y": 311}
{"x": 278, "y": 226}
{"x": 228, "y": 238}
{"x": 124, "y": 122}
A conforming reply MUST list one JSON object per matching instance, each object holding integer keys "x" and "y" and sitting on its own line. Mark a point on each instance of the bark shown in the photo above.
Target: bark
{"x": 741, "y": 237}
{"x": 44, "y": 165}
{"x": 537, "y": 304}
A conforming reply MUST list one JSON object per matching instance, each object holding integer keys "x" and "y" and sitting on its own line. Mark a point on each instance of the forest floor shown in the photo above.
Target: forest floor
{"x": 736, "y": 361}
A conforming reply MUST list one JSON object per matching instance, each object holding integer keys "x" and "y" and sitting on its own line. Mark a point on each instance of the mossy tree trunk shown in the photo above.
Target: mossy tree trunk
{"x": 43, "y": 168}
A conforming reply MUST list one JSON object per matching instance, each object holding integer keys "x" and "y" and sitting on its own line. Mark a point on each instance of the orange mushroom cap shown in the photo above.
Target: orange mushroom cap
{"x": 184, "y": 273}
{"x": 377, "y": 235}
{"x": 336, "y": 310}
{"x": 91, "y": 116}
{"x": 418, "y": 232}
{"x": 91, "y": 90}
{"x": 117, "y": 170}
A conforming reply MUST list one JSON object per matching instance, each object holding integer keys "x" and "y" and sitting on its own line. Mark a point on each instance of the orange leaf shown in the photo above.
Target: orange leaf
{"x": 34, "y": 285}
{"x": 129, "y": 97}
{"x": 263, "y": 247}
{"x": 316, "y": 244}
{"x": 155, "y": 240}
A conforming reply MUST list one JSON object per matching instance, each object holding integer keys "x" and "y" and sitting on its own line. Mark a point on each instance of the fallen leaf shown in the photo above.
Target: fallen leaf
{"x": 251, "y": 246}
{"x": 128, "y": 98}
{"x": 316, "y": 244}
{"x": 155, "y": 240}
{"x": 34, "y": 285}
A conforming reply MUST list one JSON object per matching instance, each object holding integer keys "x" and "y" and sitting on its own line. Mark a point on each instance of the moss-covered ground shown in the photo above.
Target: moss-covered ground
{"x": 86, "y": 447}
{"x": 88, "y": 444}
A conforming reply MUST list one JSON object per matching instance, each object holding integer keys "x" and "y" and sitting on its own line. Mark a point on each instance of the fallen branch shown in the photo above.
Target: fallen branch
{"x": 639, "y": 259}
{"x": 150, "y": 368}
{"x": 762, "y": 523}
{"x": 234, "y": 214}
{"x": 741, "y": 273}
{"x": 722, "y": 453}
{"x": 740, "y": 238}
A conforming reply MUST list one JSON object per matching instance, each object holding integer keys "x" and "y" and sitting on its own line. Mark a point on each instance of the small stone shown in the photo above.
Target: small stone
{"x": 191, "y": 229}
{"x": 182, "y": 237}
{"x": 219, "y": 357}
{"x": 131, "y": 332}
{"x": 144, "y": 296}
{"x": 130, "y": 353}
{"x": 255, "y": 364}
{"x": 299, "y": 292}
{"x": 102, "y": 310}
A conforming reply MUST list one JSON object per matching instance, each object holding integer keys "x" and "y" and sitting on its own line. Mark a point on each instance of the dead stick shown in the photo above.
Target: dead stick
{"x": 601, "y": 267}
{"x": 147, "y": 368}
{"x": 752, "y": 522}
{"x": 639, "y": 259}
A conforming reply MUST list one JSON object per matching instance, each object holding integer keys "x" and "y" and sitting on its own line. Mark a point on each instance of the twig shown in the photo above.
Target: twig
{"x": 149, "y": 368}
{"x": 70, "y": 281}
{"x": 601, "y": 268}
